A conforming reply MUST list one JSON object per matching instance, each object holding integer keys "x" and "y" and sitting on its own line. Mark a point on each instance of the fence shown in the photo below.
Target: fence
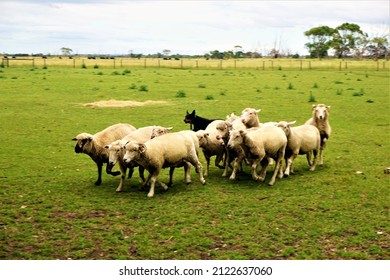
{"x": 192, "y": 63}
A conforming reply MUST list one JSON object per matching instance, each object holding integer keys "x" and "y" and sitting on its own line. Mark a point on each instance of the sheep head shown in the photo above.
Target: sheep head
{"x": 285, "y": 126}
{"x": 81, "y": 140}
{"x": 320, "y": 111}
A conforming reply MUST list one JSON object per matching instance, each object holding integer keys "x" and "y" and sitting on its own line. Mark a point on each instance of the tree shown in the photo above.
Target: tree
{"x": 378, "y": 47}
{"x": 321, "y": 39}
{"x": 345, "y": 38}
{"x": 66, "y": 51}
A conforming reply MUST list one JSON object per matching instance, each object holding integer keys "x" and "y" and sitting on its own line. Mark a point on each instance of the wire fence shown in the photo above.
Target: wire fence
{"x": 193, "y": 63}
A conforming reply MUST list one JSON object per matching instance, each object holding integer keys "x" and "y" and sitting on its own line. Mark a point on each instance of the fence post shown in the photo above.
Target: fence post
{"x": 301, "y": 65}
{"x": 145, "y": 62}
{"x": 263, "y": 65}
{"x": 33, "y": 62}
{"x": 340, "y": 66}
{"x": 220, "y": 64}
{"x": 44, "y": 62}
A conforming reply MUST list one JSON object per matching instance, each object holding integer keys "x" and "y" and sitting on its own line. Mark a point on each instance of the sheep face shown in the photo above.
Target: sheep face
{"x": 249, "y": 115}
{"x": 236, "y": 138}
{"x": 202, "y": 137}
{"x": 320, "y": 111}
{"x": 115, "y": 150}
{"x": 81, "y": 141}
{"x": 223, "y": 129}
{"x": 158, "y": 131}
{"x": 133, "y": 151}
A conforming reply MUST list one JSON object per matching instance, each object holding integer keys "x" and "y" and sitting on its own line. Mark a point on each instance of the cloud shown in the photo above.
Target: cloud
{"x": 92, "y": 26}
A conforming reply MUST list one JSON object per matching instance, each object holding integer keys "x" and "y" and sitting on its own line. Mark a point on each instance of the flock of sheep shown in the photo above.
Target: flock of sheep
{"x": 235, "y": 140}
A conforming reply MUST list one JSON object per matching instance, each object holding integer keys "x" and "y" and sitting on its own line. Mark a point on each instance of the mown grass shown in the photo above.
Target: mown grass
{"x": 50, "y": 208}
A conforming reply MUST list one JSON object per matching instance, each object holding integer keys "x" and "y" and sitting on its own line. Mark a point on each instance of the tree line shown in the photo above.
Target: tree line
{"x": 346, "y": 40}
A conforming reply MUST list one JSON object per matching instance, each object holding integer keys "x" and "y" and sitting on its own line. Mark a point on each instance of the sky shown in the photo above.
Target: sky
{"x": 184, "y": 27}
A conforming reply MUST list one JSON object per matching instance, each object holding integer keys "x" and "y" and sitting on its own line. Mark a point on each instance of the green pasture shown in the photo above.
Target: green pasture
{"x": 51, "y": 209}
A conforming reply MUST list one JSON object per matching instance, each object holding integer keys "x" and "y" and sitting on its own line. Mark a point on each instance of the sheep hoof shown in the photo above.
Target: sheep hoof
{"x": 286, "y": 175}
{"x": 270, "y": 184}
{"x": 98, "y": 183}
{"x": 232, "y": 178}
{"x": 150, "y": 194}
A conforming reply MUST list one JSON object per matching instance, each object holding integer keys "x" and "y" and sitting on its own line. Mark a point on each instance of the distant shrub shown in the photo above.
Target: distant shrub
{"x": 370, "y": 101}
{"x": 181, "y": 94}
{"x": 312, "y": 98}
{"x": 358, "y": 93}
{"x": 201, "y": 86}
{"x": 209, "y": 97}
{"x": 339, "y": 91}
{"x": 315, "y": 85}
{"x": 96, "y": 66}
{"x": 99, "y": 73}
{"x": 290, "y": 86}
{"x": 338, "y": 82}
{"x": 126, "y": 71}
{"x": 115, "y": 73}
{"x": 132, "y": 86}
{"x": 143, "y": 88}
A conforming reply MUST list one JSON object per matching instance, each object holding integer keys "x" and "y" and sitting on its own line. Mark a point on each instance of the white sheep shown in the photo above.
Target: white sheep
{"x": 93, "y": 145}
{"x": 320, "y": 119}
{"x": 169, "y": 150}
{"x": 116, "y": 150}
{"x": 211, "y": 145}
{"x": 258, "y": 145}
{"x": 301, "y": 140}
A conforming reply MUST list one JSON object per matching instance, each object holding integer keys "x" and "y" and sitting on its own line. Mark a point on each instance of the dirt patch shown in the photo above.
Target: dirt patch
{"x": 122, "y": 103}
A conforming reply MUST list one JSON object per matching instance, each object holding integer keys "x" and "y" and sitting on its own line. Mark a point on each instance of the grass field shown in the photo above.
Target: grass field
{"x": 50, "y": 208}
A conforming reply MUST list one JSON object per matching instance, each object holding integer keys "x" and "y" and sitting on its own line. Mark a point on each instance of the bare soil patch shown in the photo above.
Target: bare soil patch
{"x": 122, "y": 103}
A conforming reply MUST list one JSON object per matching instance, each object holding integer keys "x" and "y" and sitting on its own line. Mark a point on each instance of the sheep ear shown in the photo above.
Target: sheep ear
{"x": 291, "y": 123}
{"x": 169, "y": 128}
{"x": 328, "y": 107}
{"x": 258, "y": 110}
{"x": 74, "y": 139}
{"x": 106, "y": 147}
{"x": 187, "y": 112}
{"x": 314, "y": 105}
{"x": 242, "y": 132}
{"x": 141, "y": 148}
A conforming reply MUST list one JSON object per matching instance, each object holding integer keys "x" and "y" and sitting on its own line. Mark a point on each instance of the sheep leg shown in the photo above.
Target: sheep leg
{"x": 109, "y": 171}
{"x": 131, "y": 171}
{"x": 141, "y": 172}
{"x": 198, "y": 166}
{"x": 263, "y": 172}
{"x": 289, "y": 164}
{"x": 237, "y": 162}
{"x": 278, "y": 167}
{"x": 123, "y": 169}
{"x": 255, "y": 176}
{"x": 206, "y": 173}
{"x": 227, "y": 162}
{"x": 314, "y": 164}
{"x": 187, "y": 172}
{"x": 322, "y": 147}
{"x": 152, "y": 184}
{"x": 171, "y": 170}
{"x": 218, "y": 159}
{"x": 100, "y": 167}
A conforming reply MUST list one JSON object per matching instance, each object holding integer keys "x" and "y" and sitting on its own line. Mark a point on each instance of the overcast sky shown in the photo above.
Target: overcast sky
{"x": 185, "y": 27}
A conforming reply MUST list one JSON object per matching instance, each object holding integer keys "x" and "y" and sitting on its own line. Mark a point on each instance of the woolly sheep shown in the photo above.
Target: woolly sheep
{"x": 258, "y": 145}
{"x": 320, "y": 119}
{"x": 116, "y": 150}
{"x": 93, "y": 145}
{"x": 301, "y": 140}
{"x": 211, "y": 146}
{"x": 169, "y": 150}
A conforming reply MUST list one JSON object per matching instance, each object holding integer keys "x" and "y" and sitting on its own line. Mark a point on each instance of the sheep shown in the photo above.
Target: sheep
{"x": 259, "y": 144}
{"x": 320, "y": 119}
{"x": 169, "y": 150}
{"x": 303, "y": 139}
{"x": 116, "y": 150}
{"x": 93, "y": 145}
{"x": 211, "y": 146}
